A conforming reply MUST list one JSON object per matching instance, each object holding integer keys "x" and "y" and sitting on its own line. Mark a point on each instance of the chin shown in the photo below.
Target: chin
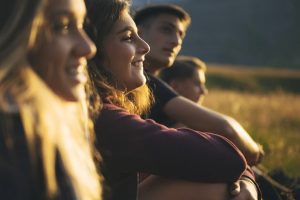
{"x": 200, "y": 101}
{"x": 167, "y": 63}
{"x": 137, "y": 84}
{"x": 75, "y": 94}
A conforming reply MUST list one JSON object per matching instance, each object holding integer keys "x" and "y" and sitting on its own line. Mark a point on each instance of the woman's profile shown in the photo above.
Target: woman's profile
{"x": 45, "y": 138}
{"x": 128, "y": 143}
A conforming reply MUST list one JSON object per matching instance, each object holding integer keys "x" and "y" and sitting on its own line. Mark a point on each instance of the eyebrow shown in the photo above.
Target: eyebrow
{"x": 173, "y": 26}
{"x": 64, "y": 13}
{"x": 168, "y": 23}
{"x": 127, "y": 28}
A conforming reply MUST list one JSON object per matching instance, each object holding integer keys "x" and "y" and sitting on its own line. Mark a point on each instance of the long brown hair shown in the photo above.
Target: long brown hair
{"x": 51, "y": 124}
{"x": 102, "y": 14}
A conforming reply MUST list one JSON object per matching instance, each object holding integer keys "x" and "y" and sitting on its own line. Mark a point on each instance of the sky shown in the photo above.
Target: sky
{"x": 143, "y": 2}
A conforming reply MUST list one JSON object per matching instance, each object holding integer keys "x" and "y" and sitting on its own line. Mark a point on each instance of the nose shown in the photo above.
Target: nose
{"x": 176, "y": 39}
{"x": 84, "y": 46}
{"x": 203, "y": 90}
{"x": 143, "y": 46}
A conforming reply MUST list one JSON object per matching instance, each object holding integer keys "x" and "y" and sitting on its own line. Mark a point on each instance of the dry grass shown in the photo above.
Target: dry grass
{"x": 247, "y": 71}
{"x": 272, "y": 119}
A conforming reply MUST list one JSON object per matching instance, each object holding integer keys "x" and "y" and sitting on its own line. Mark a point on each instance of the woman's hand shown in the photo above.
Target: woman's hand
{"x": 243, "y": 189}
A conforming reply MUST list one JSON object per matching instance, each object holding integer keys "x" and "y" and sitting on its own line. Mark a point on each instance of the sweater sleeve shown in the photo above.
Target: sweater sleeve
{"x": 136, "y": 145}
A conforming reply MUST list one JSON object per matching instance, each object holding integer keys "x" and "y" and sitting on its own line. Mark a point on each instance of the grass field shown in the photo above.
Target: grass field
{"x": 271, "y": 114}
{"x": 257, "y": 80}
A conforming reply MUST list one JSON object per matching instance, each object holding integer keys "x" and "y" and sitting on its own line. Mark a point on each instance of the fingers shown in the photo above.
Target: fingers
{"x": 234, "y": 188}
{"x": 247, "y": 191}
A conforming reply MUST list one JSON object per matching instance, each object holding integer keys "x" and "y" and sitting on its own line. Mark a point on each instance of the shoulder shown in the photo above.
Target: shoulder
{"x": 110, "y": 109}
{"x": 115, "y": 119}
{"x": 12, "y": 136}
{"x": 156, "y": 83}
{"x": 15, "y": 169}
{"x": 112, "y": 114}
{"x": 162, "y": 91}
{"x": 10, "y": 126}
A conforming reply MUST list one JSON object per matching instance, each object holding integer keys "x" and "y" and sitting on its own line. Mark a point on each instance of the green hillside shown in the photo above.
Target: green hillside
{"x": 258, "y": 80}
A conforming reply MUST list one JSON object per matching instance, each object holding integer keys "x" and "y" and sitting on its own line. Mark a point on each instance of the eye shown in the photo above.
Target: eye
{"x": 64, "y": 25}
{"x": 197, "y": 83}
{"x": 181, "y": 34}
{"x": 128, "y": 37}
{"x": 60, "y": 28}
{"x": 166, "y": 29}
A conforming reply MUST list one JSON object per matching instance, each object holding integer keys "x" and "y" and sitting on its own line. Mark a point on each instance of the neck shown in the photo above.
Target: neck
{"x": 153, "y": 67}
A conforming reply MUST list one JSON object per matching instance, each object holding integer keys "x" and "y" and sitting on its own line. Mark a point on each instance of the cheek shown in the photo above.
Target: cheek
{"x": 41, "y": 61}
{"x": 178, "y": 49}
{"x": 126, "y": 58}
{"x": 153, "y": 39}
{"x": 192, "y": 89}
{"x": 52, "y": 54}
{"x": 51, "y": 62}
{"x": 58, "y": 53}
{"x": 121, "y": 64}
{"x": 157, "y": 41}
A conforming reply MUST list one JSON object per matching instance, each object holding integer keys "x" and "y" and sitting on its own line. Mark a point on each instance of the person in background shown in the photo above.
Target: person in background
{"x": 164, "y": 27}
{"x": 45, "y": 142}
{"x": 130, "y": 144}
{"x": 187, "y": 77}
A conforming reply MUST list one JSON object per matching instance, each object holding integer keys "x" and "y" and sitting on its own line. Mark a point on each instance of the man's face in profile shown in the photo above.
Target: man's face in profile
{"x": 164, "y": 35}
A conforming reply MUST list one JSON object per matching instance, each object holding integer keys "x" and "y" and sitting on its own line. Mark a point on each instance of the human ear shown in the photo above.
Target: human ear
{"x": 174, "y": 84}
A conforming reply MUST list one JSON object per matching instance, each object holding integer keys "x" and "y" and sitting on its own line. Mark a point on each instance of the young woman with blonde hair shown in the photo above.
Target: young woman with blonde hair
{"x": 45, "y": 138}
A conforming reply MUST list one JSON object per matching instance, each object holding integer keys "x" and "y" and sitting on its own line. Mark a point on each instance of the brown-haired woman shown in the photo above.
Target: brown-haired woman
{"x": 130, "y": 144}
{"x": 45, "y": 148}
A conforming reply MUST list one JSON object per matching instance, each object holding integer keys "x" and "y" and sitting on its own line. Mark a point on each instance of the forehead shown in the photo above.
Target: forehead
{"x": 168, "y": 19}
{"x": 201, "y": 75}
{"x": 74, "y": 7}
{"x": 125, "y": 22}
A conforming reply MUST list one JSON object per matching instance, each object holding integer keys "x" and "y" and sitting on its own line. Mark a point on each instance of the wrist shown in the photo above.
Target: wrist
{"x": 260, "y": 153}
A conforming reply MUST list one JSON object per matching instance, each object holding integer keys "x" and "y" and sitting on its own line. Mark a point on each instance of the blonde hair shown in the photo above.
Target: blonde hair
{"x": 52, "y": 126}
{"x": 137, "y": 101}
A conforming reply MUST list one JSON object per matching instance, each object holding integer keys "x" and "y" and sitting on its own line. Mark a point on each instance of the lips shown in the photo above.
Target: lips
{"x": 138, "y": 63}
{"x": 76, "y": 74}
{"x": 169, "y": 51}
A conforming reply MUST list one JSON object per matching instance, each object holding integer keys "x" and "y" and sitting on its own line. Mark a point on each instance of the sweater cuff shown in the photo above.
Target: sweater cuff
{"x": 249, "y": 173}
{"x": 246, "y": 178}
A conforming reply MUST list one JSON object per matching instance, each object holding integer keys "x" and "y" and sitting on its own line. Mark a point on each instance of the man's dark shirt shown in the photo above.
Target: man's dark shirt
{"x": 162, "y": 93}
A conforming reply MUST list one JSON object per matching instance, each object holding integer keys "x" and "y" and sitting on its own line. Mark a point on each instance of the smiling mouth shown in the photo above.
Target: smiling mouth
{"x": 77, "y": 74}
{"x": 138, "y": 63}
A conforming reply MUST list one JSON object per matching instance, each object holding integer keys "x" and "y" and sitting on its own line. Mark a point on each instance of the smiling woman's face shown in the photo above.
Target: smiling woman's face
{"x": 61, "y": 53}
{"x": 124, "y": 53}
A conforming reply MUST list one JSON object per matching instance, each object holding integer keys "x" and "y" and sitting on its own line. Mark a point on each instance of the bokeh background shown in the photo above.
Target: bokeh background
{"x": 243, "y": 32}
